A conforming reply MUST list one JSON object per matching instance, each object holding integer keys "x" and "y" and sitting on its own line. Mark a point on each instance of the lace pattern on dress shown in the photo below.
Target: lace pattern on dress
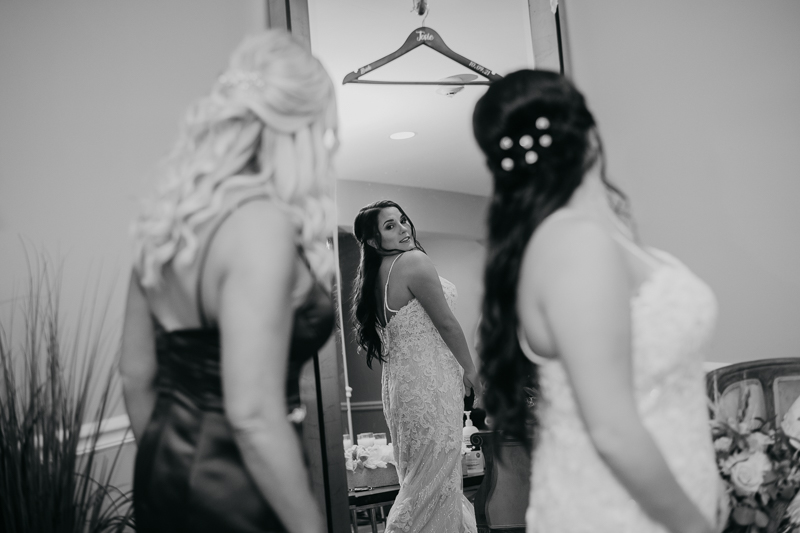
{"x": 422, "y": 390}
{"x": 672, "y": 317}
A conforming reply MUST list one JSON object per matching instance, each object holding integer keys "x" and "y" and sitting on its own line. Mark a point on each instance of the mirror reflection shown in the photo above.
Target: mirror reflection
{"x": 411, "y": 144}
{"x": 457, "y": 256}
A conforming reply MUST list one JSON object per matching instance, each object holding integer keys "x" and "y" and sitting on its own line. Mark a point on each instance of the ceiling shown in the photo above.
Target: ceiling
{"x": 349, "y": 34}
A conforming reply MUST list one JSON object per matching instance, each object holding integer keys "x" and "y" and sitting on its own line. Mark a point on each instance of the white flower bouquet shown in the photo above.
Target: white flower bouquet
{"x": 370, "y": 467}
{"x": 375, "y": 456}
{"x": 760, "y": 464}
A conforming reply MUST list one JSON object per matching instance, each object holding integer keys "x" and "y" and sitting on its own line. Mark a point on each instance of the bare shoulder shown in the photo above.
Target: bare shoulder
{"x": 414, "y": 258}
{"x": 574, "y": 241}
{"x": 259, "y": 233}
{"x": 261, "y": 219}
{"x": 415, "y": 263}
{"x": 572, "y": 255}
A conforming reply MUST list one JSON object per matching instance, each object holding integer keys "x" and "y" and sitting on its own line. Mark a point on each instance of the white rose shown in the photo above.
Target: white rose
{"x": 723, "y": 444}
{"x": 373, "y": 462}
{"x": 748, "y": 475}
{"x": 725, "y": 466}
{"x": 758, "y": 442}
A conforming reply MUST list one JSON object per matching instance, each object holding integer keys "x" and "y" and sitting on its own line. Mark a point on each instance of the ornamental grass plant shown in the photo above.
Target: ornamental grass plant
{"x": 52, "y": 478}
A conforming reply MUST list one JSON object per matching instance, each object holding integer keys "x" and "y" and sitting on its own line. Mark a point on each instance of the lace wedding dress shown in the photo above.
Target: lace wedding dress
{"x": 423, "y": 395}
{"x": 573, "y": 490}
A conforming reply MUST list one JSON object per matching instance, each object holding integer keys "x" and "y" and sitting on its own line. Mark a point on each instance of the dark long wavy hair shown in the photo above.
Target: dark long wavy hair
{"x": 539, "y": 112}
{"x": 365, "y": 301}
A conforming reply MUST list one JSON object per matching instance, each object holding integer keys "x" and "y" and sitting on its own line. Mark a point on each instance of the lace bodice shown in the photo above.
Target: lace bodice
{"x": 423, "y": 401}
{"x": 672, "y": 316}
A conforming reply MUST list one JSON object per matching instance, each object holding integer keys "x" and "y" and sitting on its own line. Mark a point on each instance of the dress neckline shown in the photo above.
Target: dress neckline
{"x": 315, "y": 285}
{"x": 666, "y": 262}
{"x": 386, "y": 290}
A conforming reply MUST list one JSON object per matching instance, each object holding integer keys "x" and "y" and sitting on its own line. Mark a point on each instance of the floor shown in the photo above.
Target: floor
{"x": 363, "y": 517}
{"x": 364, "y": 525}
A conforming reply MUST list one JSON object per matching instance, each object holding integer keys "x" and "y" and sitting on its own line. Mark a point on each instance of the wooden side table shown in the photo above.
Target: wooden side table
{"x": 373, "y": 499}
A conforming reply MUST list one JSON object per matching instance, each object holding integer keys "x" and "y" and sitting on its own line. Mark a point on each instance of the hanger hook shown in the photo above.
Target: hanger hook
{"x": 427, "y": 11}
{"x": 421, "y": 7}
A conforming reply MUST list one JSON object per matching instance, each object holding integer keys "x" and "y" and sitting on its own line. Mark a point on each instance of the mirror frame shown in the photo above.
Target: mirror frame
{"x": 320, "y": 383}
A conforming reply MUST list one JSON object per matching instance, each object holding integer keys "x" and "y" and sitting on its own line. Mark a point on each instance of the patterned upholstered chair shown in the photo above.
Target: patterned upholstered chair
{"x": 773, "y": 386}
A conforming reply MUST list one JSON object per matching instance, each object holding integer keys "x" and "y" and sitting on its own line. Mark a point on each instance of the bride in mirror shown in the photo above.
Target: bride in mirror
{"x": 403, "y": 313}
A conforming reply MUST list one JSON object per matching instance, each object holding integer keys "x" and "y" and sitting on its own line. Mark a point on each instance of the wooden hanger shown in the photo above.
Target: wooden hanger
{"x": 428, "y": 37}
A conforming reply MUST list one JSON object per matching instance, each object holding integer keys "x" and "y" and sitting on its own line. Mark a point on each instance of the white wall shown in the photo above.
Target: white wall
{"x": 91, "y": 95}
{"x": 699, "y": 106}
{"x": 90, "y": 98}
{"x": 460, "y": 261}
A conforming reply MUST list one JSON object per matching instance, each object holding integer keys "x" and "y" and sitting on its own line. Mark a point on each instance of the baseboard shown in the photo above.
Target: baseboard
{"x": 114, "y": 431}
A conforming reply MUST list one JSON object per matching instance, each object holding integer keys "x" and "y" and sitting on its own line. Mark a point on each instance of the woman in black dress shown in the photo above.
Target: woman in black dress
{"x": 229, "y": 296}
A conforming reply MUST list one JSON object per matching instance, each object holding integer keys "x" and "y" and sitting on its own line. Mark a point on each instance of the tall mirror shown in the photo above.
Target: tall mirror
{"x": 412, "y": 143}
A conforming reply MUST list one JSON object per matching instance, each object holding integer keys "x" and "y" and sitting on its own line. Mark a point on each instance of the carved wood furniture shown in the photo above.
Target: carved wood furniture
{"x": 773, "y": 385}
{"x": 502, "y": 499}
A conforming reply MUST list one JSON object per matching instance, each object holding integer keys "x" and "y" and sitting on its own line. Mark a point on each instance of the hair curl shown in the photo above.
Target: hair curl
{"x": 273, "y": 137}
{"x": 365, "y": 303}
{"x": 523, "y": 197}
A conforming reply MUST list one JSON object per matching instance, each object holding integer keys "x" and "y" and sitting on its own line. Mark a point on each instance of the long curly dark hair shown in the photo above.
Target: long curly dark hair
{"x": 365, "y": 301}
{"x": 527, "y": 112}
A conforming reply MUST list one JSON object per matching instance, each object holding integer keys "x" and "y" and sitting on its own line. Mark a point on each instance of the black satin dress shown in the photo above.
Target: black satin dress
{"x": 189, "y": 474}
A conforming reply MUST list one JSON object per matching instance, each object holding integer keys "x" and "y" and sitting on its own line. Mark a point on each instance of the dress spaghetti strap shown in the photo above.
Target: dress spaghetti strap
{"x": 201, "y": 312}
{"x": 636, "y": 250}
{"x": 386, "y": 292}
{"x": 618, "y": 236}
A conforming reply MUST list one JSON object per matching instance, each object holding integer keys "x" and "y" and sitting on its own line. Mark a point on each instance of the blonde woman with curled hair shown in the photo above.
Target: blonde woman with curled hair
{"x": 229, "y": 296}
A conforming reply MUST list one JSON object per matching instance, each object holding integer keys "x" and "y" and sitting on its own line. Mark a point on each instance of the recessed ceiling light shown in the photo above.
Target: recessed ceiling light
{"x": 397, "y": 136}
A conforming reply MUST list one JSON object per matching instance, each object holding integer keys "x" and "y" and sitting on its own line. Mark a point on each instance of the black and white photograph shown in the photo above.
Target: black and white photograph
{"x": 399, "y": 266}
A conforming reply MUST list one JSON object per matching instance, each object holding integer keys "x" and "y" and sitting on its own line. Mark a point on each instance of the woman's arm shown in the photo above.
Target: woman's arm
{"x": 584, "y": 294}
{"x": 137, "y": 364}
{"x": 255, "y": 256}
{"x": 423, "y": 282}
